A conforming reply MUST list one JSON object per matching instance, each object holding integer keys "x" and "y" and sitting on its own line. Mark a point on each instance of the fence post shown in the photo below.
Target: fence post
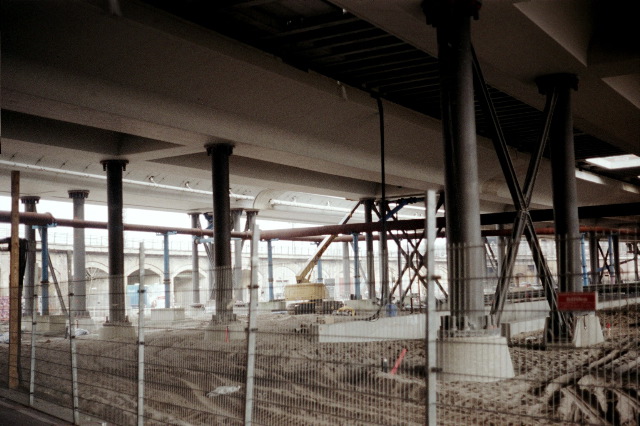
{"x": 251, "y": 330}
{"x": 74, "y": 364}
{"x": 141, "y": 302}
{"x": 431, "y": 326}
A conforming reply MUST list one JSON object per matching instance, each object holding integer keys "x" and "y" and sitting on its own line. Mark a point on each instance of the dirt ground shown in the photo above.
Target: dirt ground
{"x": 189, "y": 380}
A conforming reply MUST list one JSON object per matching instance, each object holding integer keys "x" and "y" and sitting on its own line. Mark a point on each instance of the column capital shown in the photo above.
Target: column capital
{"x": 114, "y": 161}
{"x": 548, "y": 82}
{"x": 30, "y": 199}
{"x": 223, "y": 148}
{"x": 78, "y": 193}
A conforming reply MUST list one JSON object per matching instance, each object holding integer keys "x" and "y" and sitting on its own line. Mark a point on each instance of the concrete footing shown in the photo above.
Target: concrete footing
{"x": 166, "y": 317}
{"x": 111, "y": 331}
{"x": 587, "y": 332}
{"x": 272, "y": 306}
{"x": 225, "y": 332}
{"x": 363, "y": 306}
{"x": 474, "y": 359}
{"x": 52, "y": 324}
{"x": 392, "y": 328}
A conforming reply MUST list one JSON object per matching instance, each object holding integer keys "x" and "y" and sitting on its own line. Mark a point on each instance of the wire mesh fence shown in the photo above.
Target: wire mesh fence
{"x": 345, "y": 361}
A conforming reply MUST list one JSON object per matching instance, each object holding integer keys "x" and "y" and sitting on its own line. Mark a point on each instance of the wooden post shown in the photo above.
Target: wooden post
{"x": 14, "y": 286}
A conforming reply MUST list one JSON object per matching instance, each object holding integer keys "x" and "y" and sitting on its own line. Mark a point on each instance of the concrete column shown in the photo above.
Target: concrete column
{"x": 465, "y": 260}
{"x": 44, "y": 282}
{"x": 615, "y": 242}
{"x": 78, "y": 304}
{"x": 356, "y": 265}
{"x": 236, "y": 216}
{"x": 346, "y": 271}
{"x": 141, "y": 270}
{"x": 219, "y": 154}
{"x": 115, "y": 229}
{"x": 565, "y": 204}
{"x": 167, "y": 276}
{"x": 384, "y": 258}
{"x": 371, "y": 271}
{"x": 320, "y": 278}
{"x": 195, "y": 261}
{"x": 30, "y": 270}
{"x": 270, "y": 269}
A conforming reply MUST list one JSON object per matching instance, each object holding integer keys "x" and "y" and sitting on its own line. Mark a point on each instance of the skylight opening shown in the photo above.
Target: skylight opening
{"x": 616, "y": 161}
{"x": 590, "y": 177}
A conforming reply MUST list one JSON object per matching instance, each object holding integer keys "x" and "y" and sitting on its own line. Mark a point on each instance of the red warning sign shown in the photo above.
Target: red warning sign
{"x": 577, "y": 301}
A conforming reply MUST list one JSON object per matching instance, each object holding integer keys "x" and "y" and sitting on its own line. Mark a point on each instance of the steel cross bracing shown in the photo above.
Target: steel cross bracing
{"x": 521, "y": 196}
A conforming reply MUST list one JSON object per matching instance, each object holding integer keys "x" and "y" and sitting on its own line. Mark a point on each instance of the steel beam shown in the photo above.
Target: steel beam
{"x": 78, "y": 303}
{"x": 219, "y": 154}
{"x": 115, "y": 228}
{"x": 30, "y": 274}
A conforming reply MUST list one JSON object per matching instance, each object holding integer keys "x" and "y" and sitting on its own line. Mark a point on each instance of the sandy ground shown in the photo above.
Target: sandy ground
{"x": 301, "y": 382}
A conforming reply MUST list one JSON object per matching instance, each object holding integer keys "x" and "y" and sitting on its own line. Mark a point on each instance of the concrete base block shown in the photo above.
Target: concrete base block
{"x": 42, "y": 324}
{"x": 225, "y": 332}
{"x": 166, "y": 317}
{"x": 474, "y": 359}
{"x": 363, "y": 307}
{"x": 274, "y": 305}
{"x": 58, "y": 324}
{"x": 510, "y": 329}
{"x": 588, "y": 331}
{"x": 86, "y": 323}
{"x": 111, "y": 331}
{"x": 395, "y": 328}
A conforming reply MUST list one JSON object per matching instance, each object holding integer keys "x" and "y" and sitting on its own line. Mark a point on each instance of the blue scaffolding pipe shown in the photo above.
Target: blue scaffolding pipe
{"x": 356, "y": 264}
{"x": 270, "y": 268}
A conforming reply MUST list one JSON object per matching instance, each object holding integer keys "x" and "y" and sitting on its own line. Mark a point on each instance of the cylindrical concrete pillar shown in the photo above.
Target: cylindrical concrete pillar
{"x": 563, "y": 176}
{"x": 356, "y": 265}
{"x": 465, "y": 258}
{"x": 44, "y": 282}
{"x": 346, "y": 270}
{"x": 236, "y": 216}
{"x": 220, "y": 154}
{"x": 371, "y": 271}
{"x": 195, "y": 261}
{"x": 78, "y": 303}
{"x": 166, "y": 273}
{"x": 270, "y": 269}
{"x": 115, "y": 230}
{"x": 30, "y": 270}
